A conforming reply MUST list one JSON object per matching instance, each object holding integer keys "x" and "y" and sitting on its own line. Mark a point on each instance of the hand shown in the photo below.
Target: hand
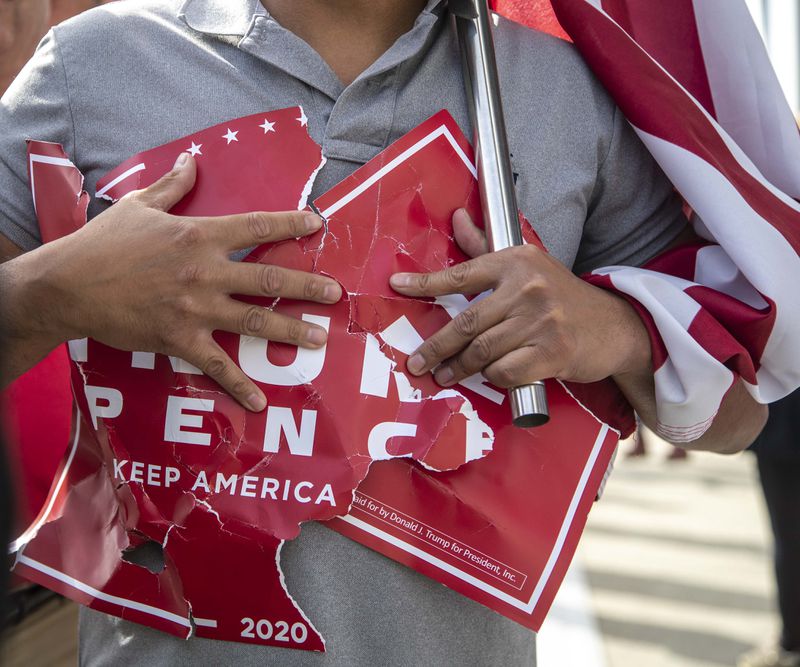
{"x": 540, "y": 321}
{"x": 137, "y": 278}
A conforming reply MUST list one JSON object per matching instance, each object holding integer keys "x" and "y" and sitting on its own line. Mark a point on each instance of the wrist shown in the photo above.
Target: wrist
{"x": 34, "y": 309}
{"x": 636, "y": 358}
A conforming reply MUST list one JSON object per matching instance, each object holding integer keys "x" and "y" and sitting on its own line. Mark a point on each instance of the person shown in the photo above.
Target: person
{"x": 22, "y": 25}
{"x": 128, "y": 76}
{"x": 777, "y": 451}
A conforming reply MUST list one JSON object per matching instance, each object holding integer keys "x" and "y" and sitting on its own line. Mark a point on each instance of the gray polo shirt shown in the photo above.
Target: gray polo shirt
{"x": 135, "y": 74}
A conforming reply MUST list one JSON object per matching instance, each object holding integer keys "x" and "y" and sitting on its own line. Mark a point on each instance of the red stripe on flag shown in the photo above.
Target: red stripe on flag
{"x": 654, "y": 103}
{"x": 536, "y": 14}
{"x": 680, "y": 262}
{"x": 668, "y": 32}
{"x": 731, "y": 331}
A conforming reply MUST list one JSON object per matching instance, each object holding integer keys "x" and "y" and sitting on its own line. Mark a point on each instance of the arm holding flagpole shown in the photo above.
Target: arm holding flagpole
{"x": 543, "y": 321}
{"x": 739, "y": 418}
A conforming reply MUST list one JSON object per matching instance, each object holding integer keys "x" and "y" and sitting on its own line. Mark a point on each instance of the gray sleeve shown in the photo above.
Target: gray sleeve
{"x": 634, "y": 213}
{"x": 35, "y": 106}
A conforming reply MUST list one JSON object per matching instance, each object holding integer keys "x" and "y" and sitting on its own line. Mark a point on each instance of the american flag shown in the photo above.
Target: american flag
{"x": 694, "y": 80}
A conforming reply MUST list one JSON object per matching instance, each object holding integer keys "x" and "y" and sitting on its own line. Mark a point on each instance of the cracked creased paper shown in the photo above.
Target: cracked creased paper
{"x": 163, "y": 462}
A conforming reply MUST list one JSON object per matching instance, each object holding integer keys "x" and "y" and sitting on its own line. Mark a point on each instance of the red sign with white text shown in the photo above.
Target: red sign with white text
{"x": 162, "y": 455}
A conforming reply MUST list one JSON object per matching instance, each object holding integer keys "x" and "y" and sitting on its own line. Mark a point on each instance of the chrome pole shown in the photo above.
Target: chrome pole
{"x": 495, "y": 179}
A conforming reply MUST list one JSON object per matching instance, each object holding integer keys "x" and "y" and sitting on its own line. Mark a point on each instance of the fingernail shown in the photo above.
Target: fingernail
{"x": 444, "y": 376}
{"x": 183, "y": 158}
{"x": 400, "y": 280}
{"x": 415, "y": 363}
{"x": 256, "y": 402}
{"x": 332, "y": 293}
{"x": 313, "y": 222}
{"x": 316, "y": 336}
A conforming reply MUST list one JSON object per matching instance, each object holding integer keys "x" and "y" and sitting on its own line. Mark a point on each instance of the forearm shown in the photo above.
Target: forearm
{"x": 542, "y": 321}
{"x": 738, "y": 422}
{"x": 30, "y": 328}
{"x": 739, "y": 419}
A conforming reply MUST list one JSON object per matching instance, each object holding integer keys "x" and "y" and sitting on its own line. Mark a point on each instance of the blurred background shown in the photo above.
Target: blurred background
{"x": 779, "y": 24}
{"x": 675, "y": 568}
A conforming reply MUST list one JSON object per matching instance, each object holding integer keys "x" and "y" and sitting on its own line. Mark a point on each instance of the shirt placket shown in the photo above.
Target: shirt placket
{"x": 352, "y": 123}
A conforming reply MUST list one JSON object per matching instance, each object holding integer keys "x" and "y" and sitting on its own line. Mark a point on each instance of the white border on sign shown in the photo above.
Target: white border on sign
{"x": 127, "y": 174}
{"x": 402, "y": 529}
{"x": 441, "y": 131}
{"x": 20, "y": 543}
{"x": 44, "y": 159}
{"x": 555, "y": 554}
{"x": 113, "y": 599}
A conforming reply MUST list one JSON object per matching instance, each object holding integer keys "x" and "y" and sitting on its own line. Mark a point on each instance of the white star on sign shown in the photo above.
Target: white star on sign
{"x": 303, "y": 119}
{"x": 195, "y": 149}
{"x": 268, "y": 127}
{"x": 230, "y": 136}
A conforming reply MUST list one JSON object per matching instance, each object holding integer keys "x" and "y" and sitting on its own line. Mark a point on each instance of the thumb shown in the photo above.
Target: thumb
{"x": 470, "y": 238}
{"x": 172, "y": 187}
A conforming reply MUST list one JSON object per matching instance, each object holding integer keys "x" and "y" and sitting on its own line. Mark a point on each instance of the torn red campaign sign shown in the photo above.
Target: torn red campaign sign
{"x": 161, "y": 454}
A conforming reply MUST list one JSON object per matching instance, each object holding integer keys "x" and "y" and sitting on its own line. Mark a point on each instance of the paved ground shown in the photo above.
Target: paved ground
{"x": 47, "y": 638}
{"x": 673, "y": 570}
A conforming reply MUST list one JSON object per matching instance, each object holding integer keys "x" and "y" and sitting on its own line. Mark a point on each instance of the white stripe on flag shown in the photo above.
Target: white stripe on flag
{"x": 748, "y": 239}
{"x": 748, "y": 98}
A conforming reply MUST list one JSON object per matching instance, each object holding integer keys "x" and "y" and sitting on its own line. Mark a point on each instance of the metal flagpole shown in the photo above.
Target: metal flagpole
{"x": 498, "y": 197}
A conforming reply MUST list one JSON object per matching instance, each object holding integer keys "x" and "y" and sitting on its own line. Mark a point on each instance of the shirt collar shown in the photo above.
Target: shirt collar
{"x": 220, "y": 17}
{"x": 234, "y": 17}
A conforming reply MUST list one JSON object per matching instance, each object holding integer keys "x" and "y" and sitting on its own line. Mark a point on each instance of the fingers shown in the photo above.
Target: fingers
{"x": 231, "y": 232}
{"x": 471, "y": 277}
{"x": 461, "y": 331}
{"x": 250, "y": 321}
{"x": 469, "y": 238}
{"x": 520, "y": 367}
{"x": 275, "y": 281}
{"x": 214, "y": 362}
{"x": 483, "y": 351}
{"x": 245, "y": 230}
{"x": 170, "y": 188}
{"x": 260, "y": 322}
